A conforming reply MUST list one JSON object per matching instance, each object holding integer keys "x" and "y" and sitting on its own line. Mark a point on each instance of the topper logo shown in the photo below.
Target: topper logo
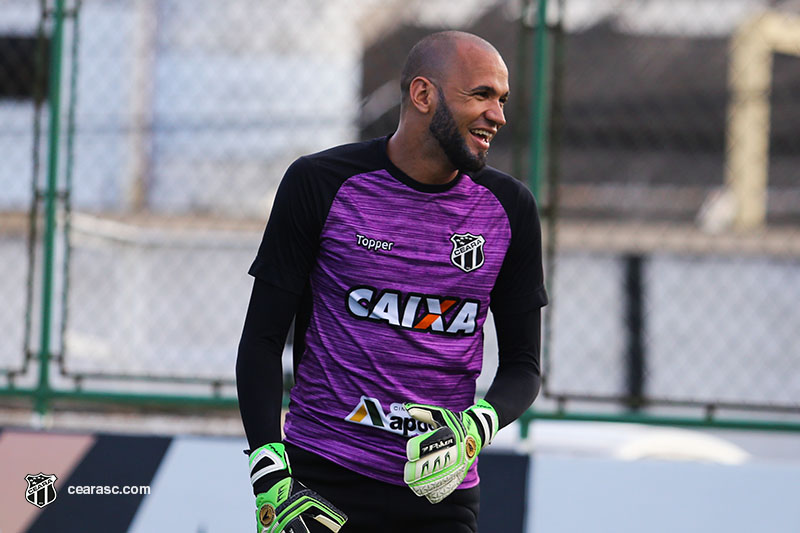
{"x": 373, "y": 244}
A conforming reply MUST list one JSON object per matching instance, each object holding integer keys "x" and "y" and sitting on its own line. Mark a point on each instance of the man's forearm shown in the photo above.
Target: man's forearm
{"x": 259, "y": 372}
{"x": 259, "y": 384}
{"x": 518, "y": 377}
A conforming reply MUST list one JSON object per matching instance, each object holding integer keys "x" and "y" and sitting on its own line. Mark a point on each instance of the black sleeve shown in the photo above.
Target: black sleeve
{"x": 520, "y": 282}
{"x": 259, "y": 373}
{"x": 291, "y": 239}
{"x": 518, "y": 377}
{"x": 282, "y": 266}
{"x": 516, "y": 301}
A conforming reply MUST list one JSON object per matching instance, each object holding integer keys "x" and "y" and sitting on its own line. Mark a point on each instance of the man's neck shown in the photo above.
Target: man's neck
{"x": 420, "y": 157}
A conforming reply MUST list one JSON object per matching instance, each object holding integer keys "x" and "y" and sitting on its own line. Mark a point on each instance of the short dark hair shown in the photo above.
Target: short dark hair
{"x": 430, "y": 57}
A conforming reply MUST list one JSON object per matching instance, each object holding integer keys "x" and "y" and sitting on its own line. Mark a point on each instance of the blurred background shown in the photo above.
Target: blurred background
{"x": 142, "y": 141}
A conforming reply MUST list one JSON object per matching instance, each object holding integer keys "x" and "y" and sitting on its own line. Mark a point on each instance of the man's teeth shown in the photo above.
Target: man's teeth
{"x": 482, "y": 133}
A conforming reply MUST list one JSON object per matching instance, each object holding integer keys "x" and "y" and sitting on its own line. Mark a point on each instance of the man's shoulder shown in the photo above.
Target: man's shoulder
{"x": 331, "y": 168}
{"x": 490, "y": 173}
{"x": 350, "y": 156}
{"x": 501, "y": 184}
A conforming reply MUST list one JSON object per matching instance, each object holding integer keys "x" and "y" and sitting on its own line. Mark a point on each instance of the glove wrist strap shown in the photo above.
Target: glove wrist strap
{"x": 486, "y": 419}
{"x": 268, "y": 459}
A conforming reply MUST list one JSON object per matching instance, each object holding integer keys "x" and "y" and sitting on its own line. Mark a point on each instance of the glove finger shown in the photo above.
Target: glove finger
{"x": 421, "y": 445}
{"x": 430, "y": 464}
{"x": 309, "y": 503}
{"x": 331, "y": 521}
{"x": 439, "y": 493}
{"x": 296, "y": 525}
{"x": 437, "y": 486}
{"x": 323, "y": 511}
{"x": 430, "y": 414}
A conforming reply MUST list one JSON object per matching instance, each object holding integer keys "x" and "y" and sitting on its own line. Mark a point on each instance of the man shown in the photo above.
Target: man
{"x": 389, "y": 253}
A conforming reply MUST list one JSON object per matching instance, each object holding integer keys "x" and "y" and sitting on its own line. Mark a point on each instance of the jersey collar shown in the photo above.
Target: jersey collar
{"x": 408, "y": 180}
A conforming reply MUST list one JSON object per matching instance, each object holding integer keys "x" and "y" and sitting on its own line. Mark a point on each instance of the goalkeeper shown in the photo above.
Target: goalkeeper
{"x": 388, "y": 254}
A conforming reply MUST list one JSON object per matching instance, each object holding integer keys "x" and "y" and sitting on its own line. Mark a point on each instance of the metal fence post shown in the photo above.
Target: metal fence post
{"x": 50, "y": 194}
{"x": 539, "y": 118}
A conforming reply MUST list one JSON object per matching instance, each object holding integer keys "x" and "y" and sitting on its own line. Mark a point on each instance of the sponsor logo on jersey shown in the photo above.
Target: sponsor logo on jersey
{"x": 375, "y": 245}
{"x": 413, "y": 311}
{"x": 369, "y": 412}
{"x": 467, "y": 251}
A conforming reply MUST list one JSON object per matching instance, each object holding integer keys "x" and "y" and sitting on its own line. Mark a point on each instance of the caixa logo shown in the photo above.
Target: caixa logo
{"x": 413, "y": 311}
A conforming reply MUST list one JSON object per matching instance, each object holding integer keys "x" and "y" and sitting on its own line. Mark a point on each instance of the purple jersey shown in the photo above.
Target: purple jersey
{"x": 398, "y": 278}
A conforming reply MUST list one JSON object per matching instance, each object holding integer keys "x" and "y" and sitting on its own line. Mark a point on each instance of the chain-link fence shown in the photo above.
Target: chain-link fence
{"x": 177, "y": 120}
{"x": 673, "y": 275}
{"x": 676, "y": 182}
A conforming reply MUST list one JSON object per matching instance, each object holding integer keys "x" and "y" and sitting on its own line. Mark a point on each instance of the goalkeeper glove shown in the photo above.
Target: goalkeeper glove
{"x": 286, "y": 501}
{"x": 438, "y": 460}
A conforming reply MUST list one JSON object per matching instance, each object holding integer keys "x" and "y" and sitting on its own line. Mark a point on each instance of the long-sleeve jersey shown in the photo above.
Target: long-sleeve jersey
{"x": 390, "y": 281}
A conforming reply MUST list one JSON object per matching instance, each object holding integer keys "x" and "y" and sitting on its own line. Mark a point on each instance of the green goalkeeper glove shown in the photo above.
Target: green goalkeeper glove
{"x": 282, "y": 507}
{"x": 438, "y": 460}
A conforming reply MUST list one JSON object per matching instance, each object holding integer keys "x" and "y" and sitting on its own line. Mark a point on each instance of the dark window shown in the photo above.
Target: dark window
{"x": 23, "y": 67}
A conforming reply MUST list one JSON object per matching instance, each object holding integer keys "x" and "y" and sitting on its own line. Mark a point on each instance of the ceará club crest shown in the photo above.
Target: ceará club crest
{"x": 467, "y": 251}
{"x": 41, "y": 489}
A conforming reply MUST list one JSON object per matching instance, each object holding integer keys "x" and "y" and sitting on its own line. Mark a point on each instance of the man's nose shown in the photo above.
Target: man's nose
{"x": 496, "y": 115}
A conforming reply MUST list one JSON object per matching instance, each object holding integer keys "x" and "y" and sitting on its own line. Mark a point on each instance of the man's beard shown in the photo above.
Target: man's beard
{"x": 444, "y": 129}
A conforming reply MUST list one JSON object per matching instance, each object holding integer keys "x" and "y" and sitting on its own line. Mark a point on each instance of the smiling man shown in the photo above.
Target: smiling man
{"x": 451, "y": 73}
{"x": 389, "y": 253}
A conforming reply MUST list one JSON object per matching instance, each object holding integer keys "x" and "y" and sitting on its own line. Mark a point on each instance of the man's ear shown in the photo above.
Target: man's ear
{"x": 422, "y": 94}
